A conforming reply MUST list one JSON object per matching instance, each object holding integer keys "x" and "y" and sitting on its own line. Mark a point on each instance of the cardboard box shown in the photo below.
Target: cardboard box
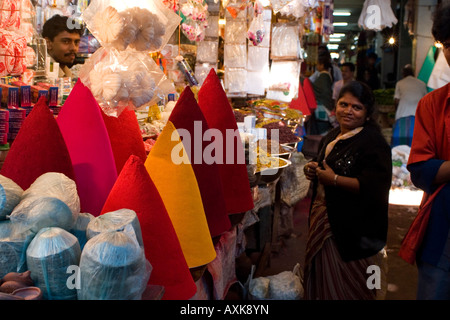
{"x": 24, "y": 93}
{"x": 37, "y": 92}
{"x": 10, "y": 96}
{"x": 17, "y": 114}
{"x": 52, "y": 93}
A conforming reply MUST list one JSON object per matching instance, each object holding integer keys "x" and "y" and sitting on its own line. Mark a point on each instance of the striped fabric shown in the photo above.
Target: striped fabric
{"x": 326, "y": 275}
{"x": 402, "y": 132}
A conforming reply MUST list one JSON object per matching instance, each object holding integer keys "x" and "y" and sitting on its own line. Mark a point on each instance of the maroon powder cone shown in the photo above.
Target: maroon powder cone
{"x": 219, "y": 115}
{"x": 125, "y": 137}
{"x": 188, "y": 116}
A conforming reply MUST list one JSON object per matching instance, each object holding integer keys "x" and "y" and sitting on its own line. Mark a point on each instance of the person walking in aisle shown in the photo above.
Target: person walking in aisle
{"x": 348, "y": 217}
{"x": 348, "y": 74}
{"x": 427, "y": 242}
{"x": 408, "y": 92}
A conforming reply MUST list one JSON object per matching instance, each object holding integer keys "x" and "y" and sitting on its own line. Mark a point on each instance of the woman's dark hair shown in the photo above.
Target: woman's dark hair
{"x": 57, "y": 24}
{"x": 350, "y": 65}
{"x": 364, "y": 94}
{"x": 441, "y": 18}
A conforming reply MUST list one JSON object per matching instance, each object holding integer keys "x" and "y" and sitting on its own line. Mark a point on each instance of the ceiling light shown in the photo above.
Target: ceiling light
{"x": 438, "y": 44}
{"x": 334, "y": 39}
{"x": 337, "y": 35}
{"x": 341, "y": 13}
{"x": 332, "y": 46}
{"x": 391, "y": 40}
{"x": 340, "y": 24}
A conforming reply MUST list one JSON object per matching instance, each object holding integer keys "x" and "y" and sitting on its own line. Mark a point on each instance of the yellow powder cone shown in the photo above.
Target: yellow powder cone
{"x": 169, "y": 167}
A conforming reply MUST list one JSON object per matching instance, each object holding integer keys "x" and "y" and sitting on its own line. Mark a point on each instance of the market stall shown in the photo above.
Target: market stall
{"x": 176, "y": 157}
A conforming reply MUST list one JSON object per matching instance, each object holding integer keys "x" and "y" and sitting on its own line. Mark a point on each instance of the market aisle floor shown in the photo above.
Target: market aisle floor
{"x": 402, "y": 277}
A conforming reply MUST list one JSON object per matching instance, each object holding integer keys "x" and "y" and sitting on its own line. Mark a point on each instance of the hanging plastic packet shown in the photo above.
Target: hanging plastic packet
{"x": 256, "y": 31}
{"x": 120, "y": 79}
{"x": 146, "y": 27}
{"x": 234, "y": 7}
{"x": 187, "y": 71}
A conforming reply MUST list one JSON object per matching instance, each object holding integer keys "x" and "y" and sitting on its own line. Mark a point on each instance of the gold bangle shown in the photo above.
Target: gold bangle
{"x": 335, "y": 180}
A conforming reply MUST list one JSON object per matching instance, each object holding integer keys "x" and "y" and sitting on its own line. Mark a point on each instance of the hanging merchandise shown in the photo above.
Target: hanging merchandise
{"x": 285, "y": 41}
{"x": 377, "y": 15}
{"x": 295, "y": 8}
{"x": 327, "y": 17}
{"x": 277, "y": 5}
{"x": 143, "y": 27}
{"x": 119, "y": 79}
{"x": 256, "y": 30}
{"x": 235, "y": 7}
{"x": 194, "y": 14}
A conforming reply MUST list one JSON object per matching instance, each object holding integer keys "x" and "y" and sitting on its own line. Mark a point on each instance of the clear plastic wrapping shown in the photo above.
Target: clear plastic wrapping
{"x": 208, "y": 51}
{"x": 49, "y": 255}
{"x": 236, "y": 32}
{"x": 115, "y": 220}
{"x": 57, "y": 185}
{"x": 113, "y": 267}
{"x": 120, "y": 79}
{"x": 285, "y": 41}
{"x": 235, "y": 56}
{"x": 10, "y": 196}
{"x": 35, "y": 213}
{"x": 235, "y": 80}
{"x": 121, "y": 24}
{"x": 258, "y": 58}
{"x": 213, "y": 27}
{"x": 80, "y": 226}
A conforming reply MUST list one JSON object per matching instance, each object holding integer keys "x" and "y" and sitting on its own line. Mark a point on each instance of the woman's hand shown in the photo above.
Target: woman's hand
{"x": 326, "y": 175}
{"x": 310, "y": 170}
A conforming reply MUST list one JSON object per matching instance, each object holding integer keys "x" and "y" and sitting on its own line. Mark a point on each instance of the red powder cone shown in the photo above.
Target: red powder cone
{"x": 38, "y": 148}
{"x": 135, "y": 190}
{"x": 188, "y": 116}
{"x": 125, "y": 137}
{"x": 87, "y": 140}
{"x": 309, "y": 94}
{"x": 300, "y": 103}
{"x": 219, "y": 115}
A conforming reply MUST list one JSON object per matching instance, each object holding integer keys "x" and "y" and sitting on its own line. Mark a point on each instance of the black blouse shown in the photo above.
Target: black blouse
{"x": 359, "y": 222}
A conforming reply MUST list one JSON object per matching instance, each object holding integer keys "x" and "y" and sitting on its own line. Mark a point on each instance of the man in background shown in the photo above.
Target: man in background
{"x": 63, "y": 41}
{"x": 408, "y": 92}
{"x": 348, "y": 74}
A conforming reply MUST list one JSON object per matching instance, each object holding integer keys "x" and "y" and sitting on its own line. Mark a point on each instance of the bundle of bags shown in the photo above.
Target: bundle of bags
{"x": 69, "y": 254}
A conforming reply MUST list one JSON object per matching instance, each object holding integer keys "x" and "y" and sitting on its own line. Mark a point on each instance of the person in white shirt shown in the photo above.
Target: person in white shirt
{"x": 408, "y": 92}
{"x": 348, "y": 74}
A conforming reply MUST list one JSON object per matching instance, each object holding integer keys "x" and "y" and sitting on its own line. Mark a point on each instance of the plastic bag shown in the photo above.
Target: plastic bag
{"x": 49, "y": 255}
{"x": 56, "y": 185}
{"x": 121, "y": 25}
{"x": 79, "y": 229}
{"x": 115, "y": 220}
{"x": 286, "y": 285}
{"x": 35, "y": 213}
{"x": 256, "y": 30}
{"x": 195, "y": 19}
{"x": 294, "y": 186}
{"x": 113, "y": 267}
{"x": 121, "y": 79}
{"x": 10, "y": 196}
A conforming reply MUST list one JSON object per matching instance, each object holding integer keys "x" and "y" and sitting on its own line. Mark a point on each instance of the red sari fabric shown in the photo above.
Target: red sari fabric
{"x": 219, "y": 115}
{"x": 187, "y": 116}
{"x": 135, "y": 190}
{"x": 431, "y": 140}
{"x": 38, "y": 148}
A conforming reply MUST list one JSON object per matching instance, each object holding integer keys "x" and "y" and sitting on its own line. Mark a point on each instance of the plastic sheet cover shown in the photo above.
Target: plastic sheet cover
{"x": 113, "y": 267}
{"x": 49, "y": 255}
